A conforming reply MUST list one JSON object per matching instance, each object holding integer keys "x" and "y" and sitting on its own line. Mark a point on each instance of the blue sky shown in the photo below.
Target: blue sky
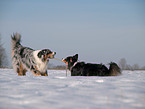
{"x": 98, "y": 30}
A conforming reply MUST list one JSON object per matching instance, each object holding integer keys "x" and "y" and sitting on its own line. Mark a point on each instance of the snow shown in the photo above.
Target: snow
{"x": 57, "y": 91}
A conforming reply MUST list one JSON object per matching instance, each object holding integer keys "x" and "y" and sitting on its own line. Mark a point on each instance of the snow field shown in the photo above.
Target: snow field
{"x": 60, "y": 92}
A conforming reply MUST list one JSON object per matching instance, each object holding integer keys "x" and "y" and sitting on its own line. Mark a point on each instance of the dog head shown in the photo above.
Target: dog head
{"x": 70, "y": 60}
{"x": 46, "y": 54}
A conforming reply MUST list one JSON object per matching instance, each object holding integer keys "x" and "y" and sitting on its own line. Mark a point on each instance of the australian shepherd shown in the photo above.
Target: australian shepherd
{"x": 26, "y": 59}
{"x": 88, "y": 69}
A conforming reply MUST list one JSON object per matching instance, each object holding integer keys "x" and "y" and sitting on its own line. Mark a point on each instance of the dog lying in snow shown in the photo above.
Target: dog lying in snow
{"x": 88, "y": 69}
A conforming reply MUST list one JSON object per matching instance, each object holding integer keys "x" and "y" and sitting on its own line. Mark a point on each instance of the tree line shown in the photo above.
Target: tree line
{"x": 124, "y": 66}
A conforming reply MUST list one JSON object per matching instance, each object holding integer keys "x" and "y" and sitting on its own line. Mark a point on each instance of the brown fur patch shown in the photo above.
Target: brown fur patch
{"x": 20, "y": 70}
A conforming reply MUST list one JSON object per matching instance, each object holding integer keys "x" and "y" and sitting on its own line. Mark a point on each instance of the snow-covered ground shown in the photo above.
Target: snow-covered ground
{"x": 60, "y": 92}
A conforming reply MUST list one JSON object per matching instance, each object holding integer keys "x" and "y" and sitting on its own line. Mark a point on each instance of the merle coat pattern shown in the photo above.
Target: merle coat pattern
{"x": 26, "y": 59}
{"x": 88, "y": 69}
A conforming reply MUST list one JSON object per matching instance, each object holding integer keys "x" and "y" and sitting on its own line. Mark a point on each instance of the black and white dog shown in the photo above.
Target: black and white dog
{"x": 87, "y": 69}
{"x": 24, "y": 58}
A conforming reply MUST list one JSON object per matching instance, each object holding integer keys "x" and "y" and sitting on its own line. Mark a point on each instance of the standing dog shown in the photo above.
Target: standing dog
{"x": 26, "y": 59}
{"x": 87, "y": 69}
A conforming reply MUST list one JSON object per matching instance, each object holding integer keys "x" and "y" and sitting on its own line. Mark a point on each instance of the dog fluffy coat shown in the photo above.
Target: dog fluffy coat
{"x": 26, "y": 59}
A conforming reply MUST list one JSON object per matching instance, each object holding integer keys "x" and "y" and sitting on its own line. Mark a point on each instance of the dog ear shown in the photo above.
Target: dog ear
{"x": 76, "y": 57}
{"x": 39, "y": 54}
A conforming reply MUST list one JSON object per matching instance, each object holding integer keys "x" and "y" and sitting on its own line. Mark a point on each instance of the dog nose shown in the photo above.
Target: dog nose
{"x": 54, "y": 53}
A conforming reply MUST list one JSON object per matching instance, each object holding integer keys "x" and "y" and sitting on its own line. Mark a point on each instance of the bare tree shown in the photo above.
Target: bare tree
{"x": 122, "y": 63}
{"x": 128, "y": 67}
{"x": 135, "y": 67}
{"x": 3, "y": 57}
{"x": 142, "y": 68}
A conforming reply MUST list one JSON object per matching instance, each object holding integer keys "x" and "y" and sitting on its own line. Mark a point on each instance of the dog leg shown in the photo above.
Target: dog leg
{"x": 19, "y": 73}
{"x": 20, "y": 70}
{"x": 24, "y": 72}
{"x": 44, "y": 74}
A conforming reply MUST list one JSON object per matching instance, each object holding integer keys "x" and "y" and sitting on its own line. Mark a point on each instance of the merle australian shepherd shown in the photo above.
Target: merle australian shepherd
{"x": 26, "y": 59}
{"x": 88, "y": 69}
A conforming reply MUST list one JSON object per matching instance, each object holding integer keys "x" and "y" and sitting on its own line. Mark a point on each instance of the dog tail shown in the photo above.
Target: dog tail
{"x": 114, "y": 69}
{"x": 15, "y": 39}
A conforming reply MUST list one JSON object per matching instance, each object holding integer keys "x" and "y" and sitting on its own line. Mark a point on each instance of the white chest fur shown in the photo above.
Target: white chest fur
{"x": 42, "y": 66}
